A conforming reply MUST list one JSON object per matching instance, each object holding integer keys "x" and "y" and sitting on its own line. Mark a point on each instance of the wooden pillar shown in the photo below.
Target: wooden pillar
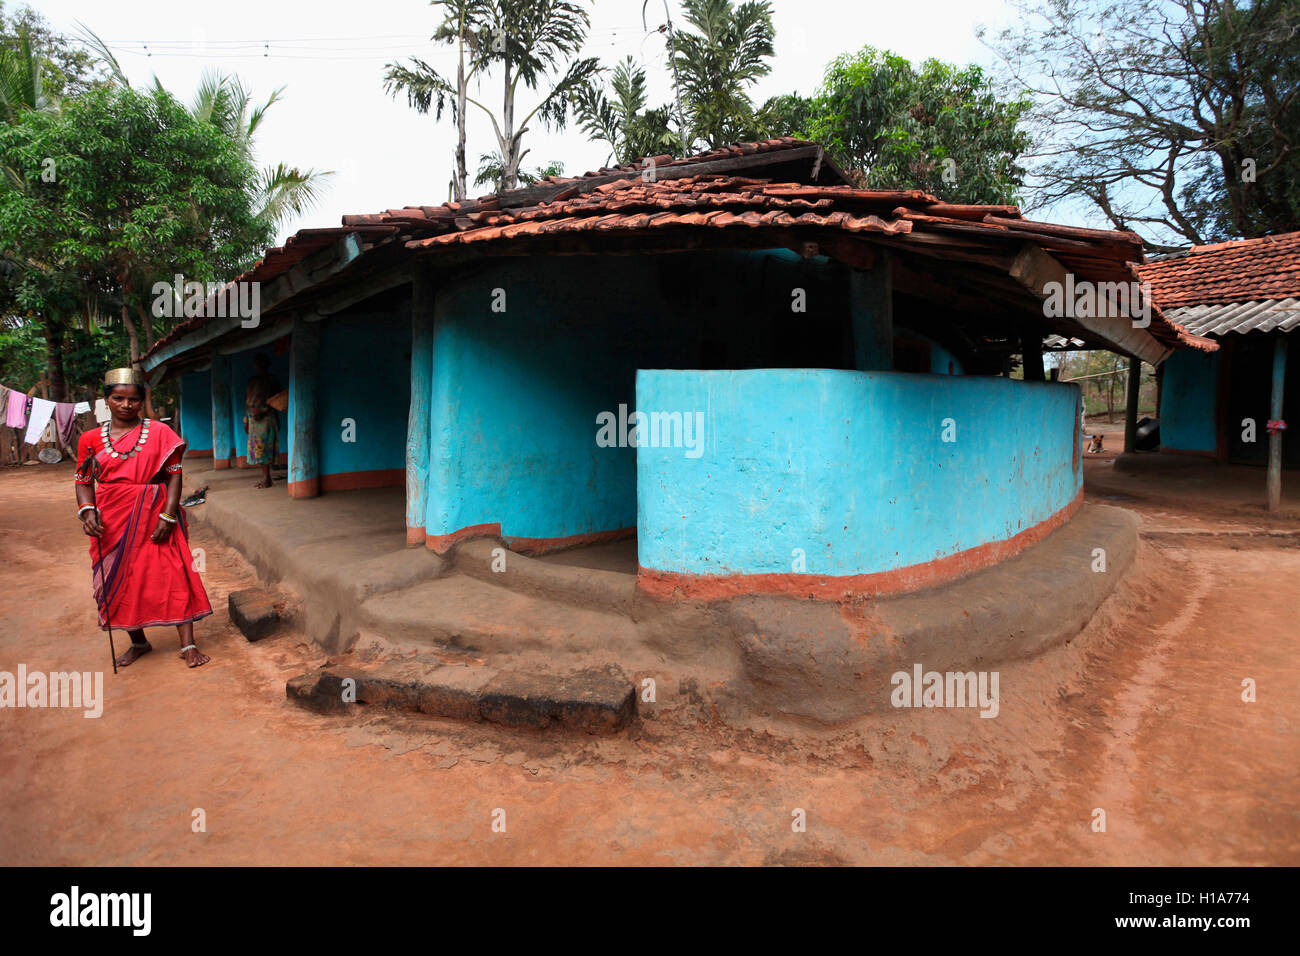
{"x": 1031, "y": 351}
{"x": 223, "y": 436}
{"x": 1274, "y": 414}
{"x": 1131, "y": 405}
{"x": 871, "y": 309}
{"x": 418, "y": 418}
{"x": 304, "y": 454}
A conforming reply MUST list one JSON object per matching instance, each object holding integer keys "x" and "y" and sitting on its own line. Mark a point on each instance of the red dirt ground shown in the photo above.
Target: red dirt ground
{"x": 1141, "y": 715}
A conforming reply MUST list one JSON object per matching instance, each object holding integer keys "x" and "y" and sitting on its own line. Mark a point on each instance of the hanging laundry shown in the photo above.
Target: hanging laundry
{"x": 102, "y": 413}
{"x": 42, "y": 411}
{"x": 65, "y": 418}
{"x": 81, "y": 407}
{"x": 16, "y": 412}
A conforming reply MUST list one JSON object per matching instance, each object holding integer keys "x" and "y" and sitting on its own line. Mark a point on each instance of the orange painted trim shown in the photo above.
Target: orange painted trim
{"x": 198, "y": 453}
{"x": 304, "y": 489}
{"x": 545, "y": 545}
{"x": 221, "y": 464}
{"x": 414, "y": 536}
{"x": 708, "y": 587}
{"x": 353, "y": 480}
{"x": 442, "y": 543}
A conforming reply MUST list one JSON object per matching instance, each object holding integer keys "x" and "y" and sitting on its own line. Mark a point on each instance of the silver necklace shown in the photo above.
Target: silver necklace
{"x": 113, "y": 452}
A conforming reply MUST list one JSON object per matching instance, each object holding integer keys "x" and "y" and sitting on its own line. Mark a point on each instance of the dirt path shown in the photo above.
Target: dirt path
{"x": 1141, "y": 716}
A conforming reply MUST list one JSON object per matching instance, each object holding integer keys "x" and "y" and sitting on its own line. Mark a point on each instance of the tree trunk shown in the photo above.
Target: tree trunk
{"x": 509, "y": 146}
{"x": 54, "y": 373}
{"x": 147, "y": 325}
{"x": 131, "y": 334}
{"x": 461, "y": 94}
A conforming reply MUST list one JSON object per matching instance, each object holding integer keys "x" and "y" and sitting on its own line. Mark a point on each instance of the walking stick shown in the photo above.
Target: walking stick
{"x": 92, "y": 465}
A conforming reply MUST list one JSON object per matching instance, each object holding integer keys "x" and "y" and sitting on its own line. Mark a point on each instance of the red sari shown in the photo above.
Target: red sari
{"x": 138, "y": 582}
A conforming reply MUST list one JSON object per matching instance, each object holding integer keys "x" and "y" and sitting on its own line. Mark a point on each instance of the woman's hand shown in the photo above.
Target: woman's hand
{"x": 91, "y": 524}
{"x": 160, "y": 531}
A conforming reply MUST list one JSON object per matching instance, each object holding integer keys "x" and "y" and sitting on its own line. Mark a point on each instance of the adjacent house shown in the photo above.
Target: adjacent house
{"x": 1244, "y": 295}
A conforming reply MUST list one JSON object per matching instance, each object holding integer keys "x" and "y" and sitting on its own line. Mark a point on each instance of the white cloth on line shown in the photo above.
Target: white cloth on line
{"x": 42, "y": 411}
{"x": 80, "y": 407}
{"x": 101, "y": 411}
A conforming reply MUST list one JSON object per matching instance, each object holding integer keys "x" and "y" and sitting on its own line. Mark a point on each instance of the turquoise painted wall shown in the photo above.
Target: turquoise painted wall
{"x": 196, "y": 410}
{"x": 365, "y": 375}
{"x": 241, "y": 370}
{"x": 1187, "y": 398}
{"x": 850, "y": 467}
{"x": 516, "y": 393}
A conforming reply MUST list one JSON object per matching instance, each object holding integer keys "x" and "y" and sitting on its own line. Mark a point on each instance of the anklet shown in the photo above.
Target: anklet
{"x": 189, "y": 647}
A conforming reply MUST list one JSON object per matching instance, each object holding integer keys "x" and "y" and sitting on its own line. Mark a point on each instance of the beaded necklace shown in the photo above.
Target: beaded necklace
{"x": 112, "y": 450}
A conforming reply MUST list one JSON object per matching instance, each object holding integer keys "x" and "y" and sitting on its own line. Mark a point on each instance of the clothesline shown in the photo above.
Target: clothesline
{"x": 39, "y": 415}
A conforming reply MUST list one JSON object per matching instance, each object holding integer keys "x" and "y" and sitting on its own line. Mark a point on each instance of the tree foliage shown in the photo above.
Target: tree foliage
{"x": 1176, "y": 119}
{"x": 940, "y": 127}
{"x": 619, "y": 118}
{"x": 118, "y": 191}
{"x": 715, "y": 64}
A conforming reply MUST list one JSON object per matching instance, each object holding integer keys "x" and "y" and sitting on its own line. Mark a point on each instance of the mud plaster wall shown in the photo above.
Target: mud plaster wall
{"x": 516, "y": 393}
{"x": 365, "y": 376}
{"x": 1187, "y": 397}
{"x": 850, "y": 467}
{"x": 196, "y": 410}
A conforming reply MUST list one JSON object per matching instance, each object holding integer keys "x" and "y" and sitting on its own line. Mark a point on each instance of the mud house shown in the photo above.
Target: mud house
{"x": 1245, "y": 295}
{"x": 771, "y": 380}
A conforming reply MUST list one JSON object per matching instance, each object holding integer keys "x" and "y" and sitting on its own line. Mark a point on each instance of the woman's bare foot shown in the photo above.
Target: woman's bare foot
{"x": 194, "y": 657}
{"x": 133, "y": 653}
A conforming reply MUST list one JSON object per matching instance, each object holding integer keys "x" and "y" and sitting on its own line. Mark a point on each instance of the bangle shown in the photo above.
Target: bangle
{"x": 84, "y": 508}
{"x": 166, "y": 517}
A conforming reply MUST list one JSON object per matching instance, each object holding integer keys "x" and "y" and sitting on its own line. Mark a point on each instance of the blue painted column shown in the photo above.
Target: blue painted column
{"x": 1275, "y": 413}
{"x": 871, "y": 308}
{"x": 223, "y": 438}
{"x": 417, "y": 422}
{"x": 304, "y": 448}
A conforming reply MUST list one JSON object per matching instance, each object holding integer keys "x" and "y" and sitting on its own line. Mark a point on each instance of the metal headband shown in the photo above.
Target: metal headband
{"x": 124, "y": 376}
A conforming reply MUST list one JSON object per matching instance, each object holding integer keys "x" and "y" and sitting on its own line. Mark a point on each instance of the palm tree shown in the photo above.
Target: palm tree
{"x": 223, "y": 101}
{"x": 426, "y": 89}
{"x": 714, "y": 66}
{"x": 490, "y": 171}
{"x": 529, "y": 40}
{"x": 621, "y": 119}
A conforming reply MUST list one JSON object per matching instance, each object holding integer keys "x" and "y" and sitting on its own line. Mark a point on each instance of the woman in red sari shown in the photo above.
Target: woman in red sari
{"x": 128, "y": 495}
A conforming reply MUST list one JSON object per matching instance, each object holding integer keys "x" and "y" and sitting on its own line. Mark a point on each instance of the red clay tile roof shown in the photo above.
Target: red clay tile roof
{"x": 627, "y": 201}
{"x": 1244, "y": 270}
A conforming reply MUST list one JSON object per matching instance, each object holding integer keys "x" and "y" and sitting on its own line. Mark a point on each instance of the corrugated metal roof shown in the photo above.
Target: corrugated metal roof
{"x": 1260, "y": 316}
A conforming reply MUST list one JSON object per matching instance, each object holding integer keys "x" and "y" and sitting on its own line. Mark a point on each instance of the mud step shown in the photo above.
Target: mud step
{"x": 593, "y": 701}
{"x": 464, "y": 612}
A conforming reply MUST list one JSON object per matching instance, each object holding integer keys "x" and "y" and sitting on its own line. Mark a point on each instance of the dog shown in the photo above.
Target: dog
{"x": 1094, "y": 446}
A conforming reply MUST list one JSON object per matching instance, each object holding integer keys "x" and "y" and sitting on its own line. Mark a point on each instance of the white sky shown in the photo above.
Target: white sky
{"x": 330, "y": 57}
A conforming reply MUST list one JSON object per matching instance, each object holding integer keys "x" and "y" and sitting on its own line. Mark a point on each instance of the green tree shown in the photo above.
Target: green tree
{"x": 716, "y": 64}
{"x": 524, "y": 42}
{"x": 619, "y": 118}
{"x": 426, "y": 88}
{"x": 1176, "y": 119}
{"x": 940, "y": 128}
{"x": 490, "y": 171}
{"x": 222, "y": 101}
{"x": 140, "y": 190}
